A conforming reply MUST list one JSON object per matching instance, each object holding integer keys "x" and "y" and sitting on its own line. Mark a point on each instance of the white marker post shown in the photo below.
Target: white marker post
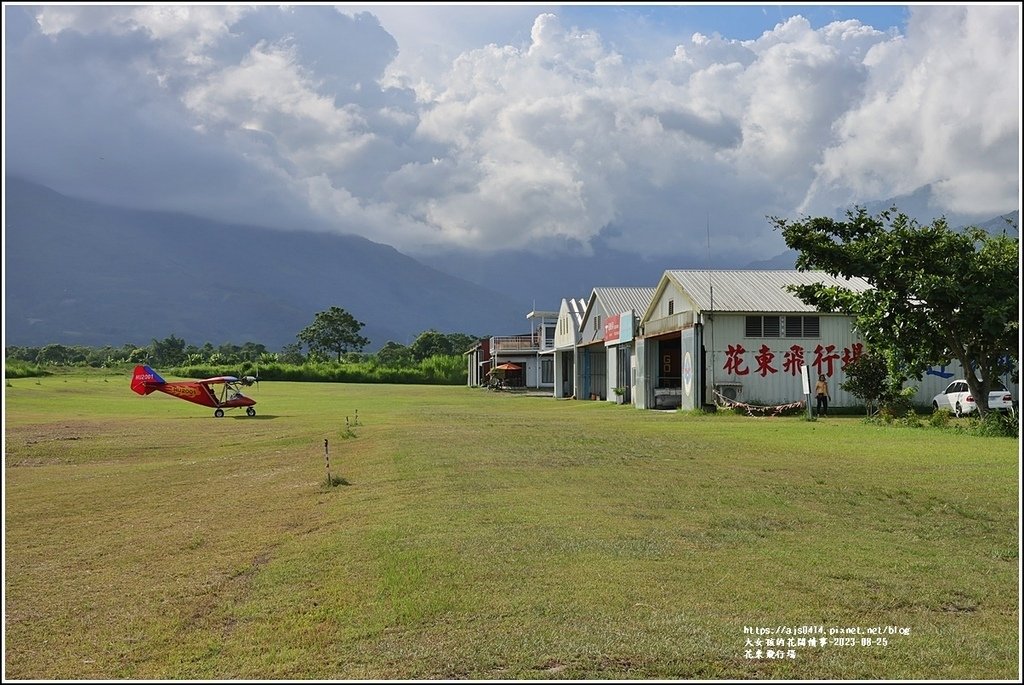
{"x": 807, "y": 390}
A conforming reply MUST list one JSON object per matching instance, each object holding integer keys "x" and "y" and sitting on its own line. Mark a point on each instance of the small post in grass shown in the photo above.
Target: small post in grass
{"x": 327, "y": 460}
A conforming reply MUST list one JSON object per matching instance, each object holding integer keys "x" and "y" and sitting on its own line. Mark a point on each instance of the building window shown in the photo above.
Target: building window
{"x": 775, "y": 326}
{"x": 762, "y": 327}
{"x": 597, "y": 323}
{"x": 803, "y": 327}
{"x": 671, "y": 307}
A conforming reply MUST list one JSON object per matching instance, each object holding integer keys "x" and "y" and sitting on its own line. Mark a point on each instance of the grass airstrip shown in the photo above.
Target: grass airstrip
{"x": 485, "y": 535}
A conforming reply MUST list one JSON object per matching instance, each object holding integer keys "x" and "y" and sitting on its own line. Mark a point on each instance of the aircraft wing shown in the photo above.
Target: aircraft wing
{"x": 218, "y": 379}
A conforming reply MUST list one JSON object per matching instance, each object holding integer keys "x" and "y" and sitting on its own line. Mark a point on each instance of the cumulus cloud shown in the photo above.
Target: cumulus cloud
{"x": 318, "y": 118}
{"x": 940, "y": 105}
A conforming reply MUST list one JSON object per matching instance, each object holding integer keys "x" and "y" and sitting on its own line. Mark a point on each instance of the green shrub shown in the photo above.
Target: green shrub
{"x": 897, "y": 402}
{"x": 911, "y": 419}
{"x": 15, "y": 368}
{"x": 940, "y": 418}
{"x": 994, "y": 425}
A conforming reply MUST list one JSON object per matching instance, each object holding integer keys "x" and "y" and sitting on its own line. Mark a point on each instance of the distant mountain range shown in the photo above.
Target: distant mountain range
{"x": 78, "y": 272}
{"x": 82, "y": 273}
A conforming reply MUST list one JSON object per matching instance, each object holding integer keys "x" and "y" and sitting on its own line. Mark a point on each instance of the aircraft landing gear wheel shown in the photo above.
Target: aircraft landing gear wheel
{"x": 250, "y": 411}
{"x": 219, "y": 413}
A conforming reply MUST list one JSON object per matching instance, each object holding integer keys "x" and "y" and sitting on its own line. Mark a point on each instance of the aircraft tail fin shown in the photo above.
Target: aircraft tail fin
{"x": 145, "y": 380}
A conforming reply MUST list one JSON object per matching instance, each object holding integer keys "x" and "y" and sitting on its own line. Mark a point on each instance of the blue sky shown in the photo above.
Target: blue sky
{"x": 518, "y": 126}
{"x": 741, "y": 21}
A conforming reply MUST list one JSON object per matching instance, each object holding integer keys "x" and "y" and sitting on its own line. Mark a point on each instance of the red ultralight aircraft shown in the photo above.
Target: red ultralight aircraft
{"x": 204, "y": 392}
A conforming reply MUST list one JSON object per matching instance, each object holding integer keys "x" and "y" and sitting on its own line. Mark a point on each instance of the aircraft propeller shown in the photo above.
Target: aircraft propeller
{"x": 250, "y": 380}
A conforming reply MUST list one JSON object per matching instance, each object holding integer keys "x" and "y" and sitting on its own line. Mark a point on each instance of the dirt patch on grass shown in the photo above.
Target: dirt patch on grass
{"x": 63, "y": 442}
{"x": 959, "y": 603}
{"x": 36, "y": 444}
{"x": 229, "y": 588}
{"x": 48, "y": 432}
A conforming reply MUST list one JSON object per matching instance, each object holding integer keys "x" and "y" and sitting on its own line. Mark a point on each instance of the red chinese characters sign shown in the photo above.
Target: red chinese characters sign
{"x": 611, "y": 328}
{"x": 825, "y": 359}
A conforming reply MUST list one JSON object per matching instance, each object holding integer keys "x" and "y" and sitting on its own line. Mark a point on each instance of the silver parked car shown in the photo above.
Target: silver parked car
{"x": 957, "y": 398}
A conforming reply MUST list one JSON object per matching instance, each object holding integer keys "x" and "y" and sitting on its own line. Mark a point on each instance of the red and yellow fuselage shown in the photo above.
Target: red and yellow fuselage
{"x": 205, "y": 392}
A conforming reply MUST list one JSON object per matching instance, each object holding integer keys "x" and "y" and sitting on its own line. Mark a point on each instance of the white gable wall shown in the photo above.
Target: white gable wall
{"x": 567, "y": 327}
{"x": 671, "y": 293}
{"x": 766, "y": 370}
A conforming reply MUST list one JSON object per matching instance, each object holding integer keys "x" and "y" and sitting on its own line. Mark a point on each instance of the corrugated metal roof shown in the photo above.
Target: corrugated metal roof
{"x": 576, "y": 307}
{"x": 754, "y": 291}
{"x": 618, "y": 300}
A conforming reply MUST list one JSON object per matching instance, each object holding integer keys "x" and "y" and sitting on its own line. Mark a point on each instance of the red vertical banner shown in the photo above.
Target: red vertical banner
{"x": 611, "y": 329}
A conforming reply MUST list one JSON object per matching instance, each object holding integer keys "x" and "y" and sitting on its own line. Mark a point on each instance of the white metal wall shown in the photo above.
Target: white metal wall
{"x": 838, "y": 341}
{"x": 767, "y": 369}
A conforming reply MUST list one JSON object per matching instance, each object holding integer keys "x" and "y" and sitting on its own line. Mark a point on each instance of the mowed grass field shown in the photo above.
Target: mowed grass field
{"x": 493, "y": 536}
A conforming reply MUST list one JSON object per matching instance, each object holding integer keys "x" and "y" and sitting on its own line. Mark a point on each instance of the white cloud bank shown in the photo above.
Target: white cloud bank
{"x": 305, "y": 117}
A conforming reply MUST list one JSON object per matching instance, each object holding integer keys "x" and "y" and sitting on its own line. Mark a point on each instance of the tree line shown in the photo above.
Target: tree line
{"x": 333, "y": 336}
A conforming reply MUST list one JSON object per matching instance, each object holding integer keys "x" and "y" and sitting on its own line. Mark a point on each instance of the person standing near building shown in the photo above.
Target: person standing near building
{"x": 821, "y": 392}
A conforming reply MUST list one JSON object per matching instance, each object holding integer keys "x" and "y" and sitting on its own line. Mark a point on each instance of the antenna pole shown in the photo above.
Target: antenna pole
{"x": 711, "y": 311}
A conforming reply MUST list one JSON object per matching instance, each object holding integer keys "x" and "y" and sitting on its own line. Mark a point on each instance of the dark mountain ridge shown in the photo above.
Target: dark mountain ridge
{"x": 79, "y": 272}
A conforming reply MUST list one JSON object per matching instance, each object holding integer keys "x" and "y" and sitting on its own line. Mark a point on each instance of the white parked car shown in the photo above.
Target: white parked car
{"x": 957, "y": 398}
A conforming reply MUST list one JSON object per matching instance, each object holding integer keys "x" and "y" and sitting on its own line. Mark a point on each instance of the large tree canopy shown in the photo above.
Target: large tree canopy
{"x": 335, "y": 331}
{"x": 937, "y": 294}
{"x": 430, "y": 343}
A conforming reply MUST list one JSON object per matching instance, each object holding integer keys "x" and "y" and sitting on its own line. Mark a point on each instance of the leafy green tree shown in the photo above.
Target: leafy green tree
{"x": 56, "y": 355}
{"x": 253, "y": 351}
{"x": 936, "y": 294}
{"x": 25, "y": 354}
{"x": 291, "y": 354}
{"x": 237, "y": 354}
{"x": 431, "y": 343}
{"x": 334, "y": 331}
{"x": 228, "y": 353}
{"x": 394, "y": 354}
{"x": 168, "y": 352}
{"x": 458, "y": 343}
{"x": 97, "y": 357}
{"x": 867, "y": 377}
{"x": 428, "y": 344}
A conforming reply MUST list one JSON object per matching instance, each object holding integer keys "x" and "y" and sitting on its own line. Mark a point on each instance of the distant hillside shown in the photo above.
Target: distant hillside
{"x": 543, "y": 280}
{"x": 1007, "y": 222}
{"x": 78, "y": 272}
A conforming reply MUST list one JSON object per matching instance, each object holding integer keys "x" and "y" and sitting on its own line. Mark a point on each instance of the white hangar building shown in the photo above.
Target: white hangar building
{"x": 742, "y": 335}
